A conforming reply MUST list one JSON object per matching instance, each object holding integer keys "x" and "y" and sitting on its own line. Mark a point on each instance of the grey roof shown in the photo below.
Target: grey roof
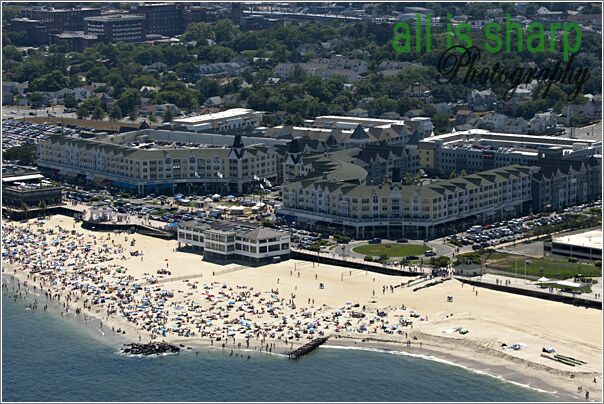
{"x": 262, "y": 233}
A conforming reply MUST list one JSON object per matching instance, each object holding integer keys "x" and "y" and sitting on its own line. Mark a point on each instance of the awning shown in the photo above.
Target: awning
{"x": 543, "y": 279}
{"x": 569, "y": 284}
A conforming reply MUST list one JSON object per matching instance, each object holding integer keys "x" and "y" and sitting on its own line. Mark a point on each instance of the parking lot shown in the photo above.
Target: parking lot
{"x": 17, "y": 133}
{"x": 170, "y": 210}
{"x": 503, "y": 232}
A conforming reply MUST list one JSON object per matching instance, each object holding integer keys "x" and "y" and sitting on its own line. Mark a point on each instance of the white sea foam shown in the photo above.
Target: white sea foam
{"x": 440, "y": 360}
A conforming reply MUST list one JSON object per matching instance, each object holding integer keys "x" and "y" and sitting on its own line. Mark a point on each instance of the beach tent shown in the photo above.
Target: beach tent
{"x": 541, "y": 281}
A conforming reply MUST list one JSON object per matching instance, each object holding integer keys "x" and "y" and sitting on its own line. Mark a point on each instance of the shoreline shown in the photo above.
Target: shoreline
{"x": 479, "y": 353}
{"x": 479, "y": 364}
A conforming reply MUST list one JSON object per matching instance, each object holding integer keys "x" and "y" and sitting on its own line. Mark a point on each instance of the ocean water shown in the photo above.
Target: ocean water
{"x": 47, "y": 357}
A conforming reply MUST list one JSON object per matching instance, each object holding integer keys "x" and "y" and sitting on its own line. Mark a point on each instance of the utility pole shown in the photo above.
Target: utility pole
{"x": 525, "y": 269}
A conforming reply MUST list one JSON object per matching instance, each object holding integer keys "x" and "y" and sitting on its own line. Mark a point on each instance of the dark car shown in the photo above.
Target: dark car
{"x": 375, "y": 241}
{"x": 430, "y": 254}
{"x": 411, "y": 257}
{"x": 402, "y": 240}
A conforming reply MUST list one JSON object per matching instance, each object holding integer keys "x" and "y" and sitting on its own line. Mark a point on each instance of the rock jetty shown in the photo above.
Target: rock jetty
{"x": 152, "y": 348}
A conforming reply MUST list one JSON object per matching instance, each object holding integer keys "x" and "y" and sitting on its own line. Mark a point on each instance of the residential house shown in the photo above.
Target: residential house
{"x": 590, "y": 110}
{"x": 156, "y": 67}
{"x": 10, "y": 89}
{"x": 285, "y": 69}
{"x": 359, "y": 112}
{"x": 213, "y": 102}
{"x": 501, "y": 123}
{"x": 481, "y": 101}
{"x": 220, "y": 69}
{"x": 146, "y": 91}
{"x": 418, "y": 90}
{"x": 543, "y": 123}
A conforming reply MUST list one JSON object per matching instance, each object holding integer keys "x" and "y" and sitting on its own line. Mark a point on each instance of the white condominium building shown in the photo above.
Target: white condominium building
{"x": 339, "y": 197}
{"x": 148, "y": 161}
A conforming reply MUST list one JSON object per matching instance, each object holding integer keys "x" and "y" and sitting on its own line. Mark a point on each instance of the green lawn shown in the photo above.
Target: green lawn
{"x": 390, "y": 249}
{"x": 550, "y": 267}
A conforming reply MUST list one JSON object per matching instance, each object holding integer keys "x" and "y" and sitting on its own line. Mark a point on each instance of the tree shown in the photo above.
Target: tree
{"x": 35, "y": 98}
{"x": 199, "y": 32}
{"x": 168, "y": 115}
{"x": 225, "y": 31}
{"x": 82, "y": 112}
{"x": 207, "y": 87}
{"x": 11, "y": 53}
{"x": 132, "y": 116}
{"x": 70, "y": 102}
{"x": 98, "y": 113}
{"x": 52, "y": 81}
{"x": 129, "y": 100}
{"x": 91, "y": 103}
{"x": 441, "y": 122}
{"x": 25, "y": 154}
{"x": 115, "y": 113}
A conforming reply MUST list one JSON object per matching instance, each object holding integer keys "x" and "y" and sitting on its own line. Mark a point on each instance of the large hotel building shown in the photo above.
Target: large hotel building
{"x": 338, "y": 192}
{"x": 149, "y": 160}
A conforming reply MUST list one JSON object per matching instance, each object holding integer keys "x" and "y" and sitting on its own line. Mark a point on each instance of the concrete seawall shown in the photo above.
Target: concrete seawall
{"x": 371, "y": 267}
{"x": 576, "y": 301}
{"x": 147, "y": 231}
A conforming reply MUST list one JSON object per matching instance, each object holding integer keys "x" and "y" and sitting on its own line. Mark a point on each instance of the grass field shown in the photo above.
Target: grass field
{"x": 390, "y": 249}
{"x": 550, "y": 267}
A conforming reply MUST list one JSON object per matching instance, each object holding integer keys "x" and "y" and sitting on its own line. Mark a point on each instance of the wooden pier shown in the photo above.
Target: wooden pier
{"x": 307, "y": 348}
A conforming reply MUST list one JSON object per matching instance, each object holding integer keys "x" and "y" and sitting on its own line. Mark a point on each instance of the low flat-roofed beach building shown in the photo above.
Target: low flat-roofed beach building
{"x": 225, "y": 241}
{"x": 586, "y": 245}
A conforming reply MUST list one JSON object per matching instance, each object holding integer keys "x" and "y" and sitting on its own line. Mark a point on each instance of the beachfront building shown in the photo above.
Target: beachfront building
{"x": 378, "y": 161}
{"x": 235, "y": 119}
{"x": 586, "y": 245}
{"x": 561, "y": 182}
{"x": 160, "y": 161}
{"x": 31, "y": 195}
{"x": 335, "y": 193}
{"x": 22, "y": 200}
{"x": 223, "y": 241}
{"x": 478, "y": 150}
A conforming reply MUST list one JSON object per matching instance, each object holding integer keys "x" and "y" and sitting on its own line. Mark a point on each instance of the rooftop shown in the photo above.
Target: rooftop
{"x": 592, "y": 239}
{"x": 115, "y": 17}
{"x": 230, "y": 113}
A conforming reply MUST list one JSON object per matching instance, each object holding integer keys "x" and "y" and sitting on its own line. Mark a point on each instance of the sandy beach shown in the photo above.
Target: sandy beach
{"x": 280, "y": 306}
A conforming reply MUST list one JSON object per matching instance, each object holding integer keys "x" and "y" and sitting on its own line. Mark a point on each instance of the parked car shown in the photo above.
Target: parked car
{"x": 402, "y": 240}
{"x": 375, "y": 241}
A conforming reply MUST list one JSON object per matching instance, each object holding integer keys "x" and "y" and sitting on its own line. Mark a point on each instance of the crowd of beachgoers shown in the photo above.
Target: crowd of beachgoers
{"x": 91, "y": 270}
